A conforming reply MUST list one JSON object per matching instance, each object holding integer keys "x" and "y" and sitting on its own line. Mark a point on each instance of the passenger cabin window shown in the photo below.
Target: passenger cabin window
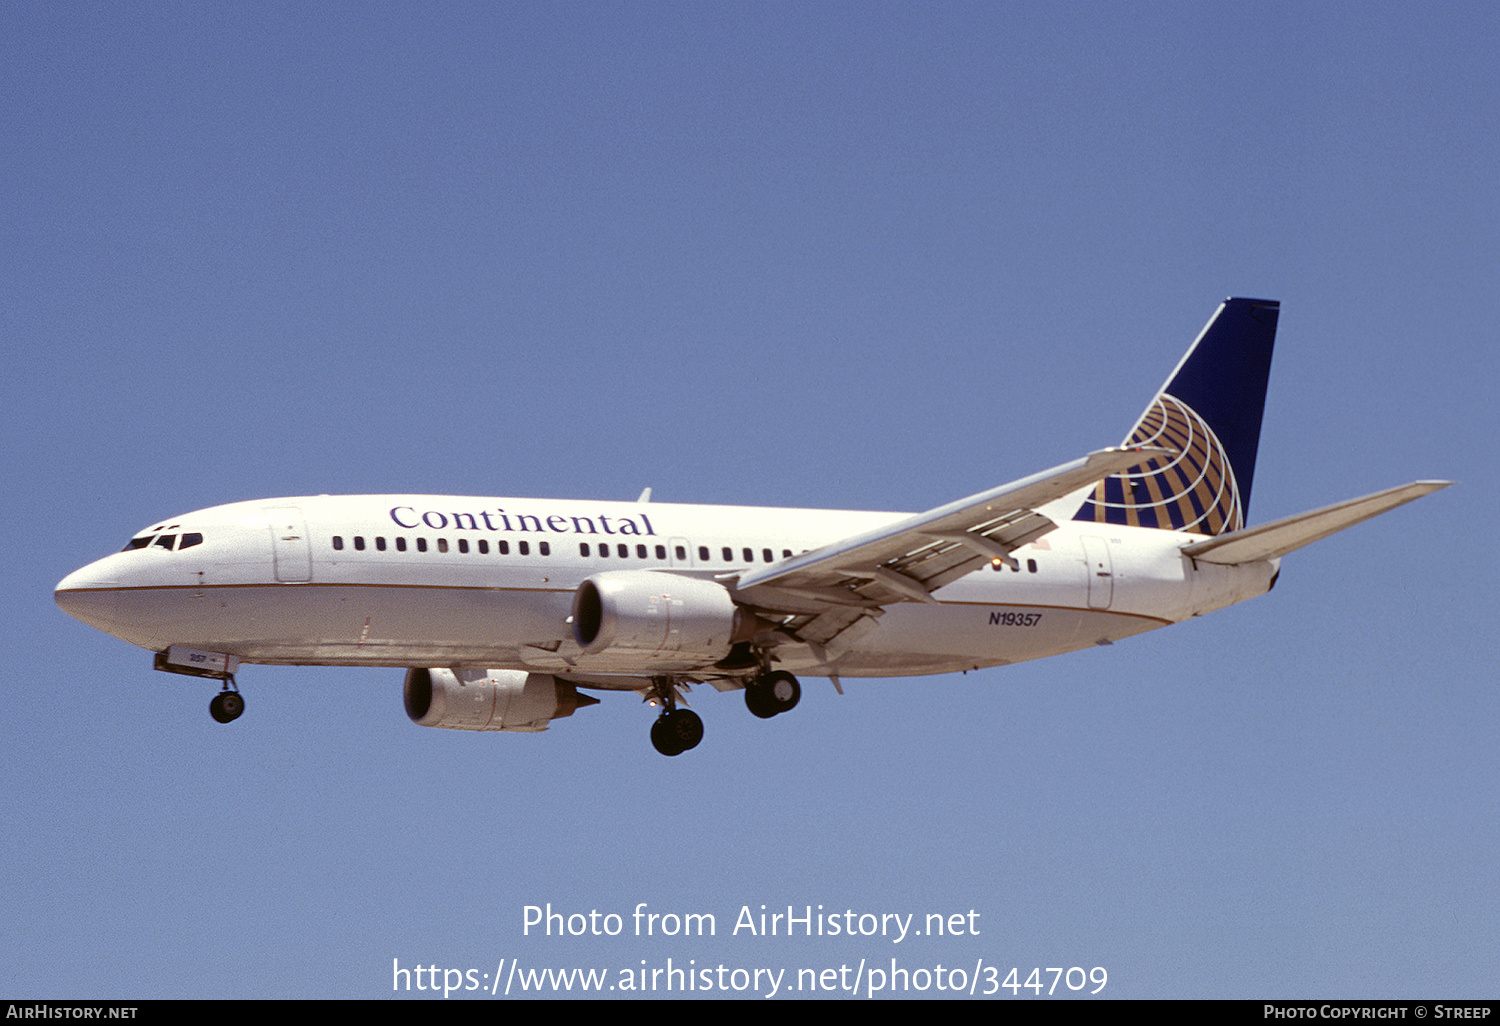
{"x": 703, "y": 553}
{"x": 338, "y": 542}
{"x": 400, "y": 544}
{"x": 359, "y": 542}
{"x": 681, "y": 551}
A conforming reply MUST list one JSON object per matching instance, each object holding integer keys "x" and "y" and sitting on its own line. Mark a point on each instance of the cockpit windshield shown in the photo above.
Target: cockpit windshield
{"x": 157, "y": 538}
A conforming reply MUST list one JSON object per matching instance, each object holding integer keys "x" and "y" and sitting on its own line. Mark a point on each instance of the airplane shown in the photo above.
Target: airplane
{"x": 500, "y": 610}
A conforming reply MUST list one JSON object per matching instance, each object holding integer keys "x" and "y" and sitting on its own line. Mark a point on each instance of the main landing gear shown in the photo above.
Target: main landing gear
{"x": 675, "y": 730}
{"x": 772, "y": 694}
{"x": 678, "y": 729}
{"x": 227, "y": 704}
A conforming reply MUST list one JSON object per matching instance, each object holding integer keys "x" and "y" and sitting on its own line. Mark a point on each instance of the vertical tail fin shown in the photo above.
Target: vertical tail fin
{"x": 1209, "y": 414}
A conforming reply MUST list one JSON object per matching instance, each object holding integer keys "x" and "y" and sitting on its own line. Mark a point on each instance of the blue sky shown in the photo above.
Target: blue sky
{"x": 856, "y": 256}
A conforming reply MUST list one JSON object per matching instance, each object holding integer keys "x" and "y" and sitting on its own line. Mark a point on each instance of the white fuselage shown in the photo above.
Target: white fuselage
{"x": 439, "y": 581}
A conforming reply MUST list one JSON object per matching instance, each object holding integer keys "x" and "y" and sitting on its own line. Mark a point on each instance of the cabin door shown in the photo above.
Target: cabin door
{"x": 289, "y": 546}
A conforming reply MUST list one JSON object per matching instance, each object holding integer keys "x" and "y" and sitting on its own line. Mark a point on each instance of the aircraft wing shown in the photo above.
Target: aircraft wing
{"x": 1291, "y": 533}
{"x": 835, "y": 588}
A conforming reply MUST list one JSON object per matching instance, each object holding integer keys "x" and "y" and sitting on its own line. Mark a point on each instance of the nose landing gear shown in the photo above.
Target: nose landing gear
{"x": 227, "y": 705}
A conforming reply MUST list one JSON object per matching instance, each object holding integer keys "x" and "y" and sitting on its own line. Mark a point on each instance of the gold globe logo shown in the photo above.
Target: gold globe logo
{"x": 1191, "y": 490}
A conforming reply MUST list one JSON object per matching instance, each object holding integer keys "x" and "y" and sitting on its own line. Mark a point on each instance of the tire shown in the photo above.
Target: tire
{"x": 226, "y": 706}
{"x": 783, "y": 691}
{"x": 759, "y": 701}
{"x": 663, "y": 738}
{"x": 686, "y": 728}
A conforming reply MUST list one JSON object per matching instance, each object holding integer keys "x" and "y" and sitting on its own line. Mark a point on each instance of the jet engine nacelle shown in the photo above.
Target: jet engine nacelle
{"x": 643, "y": 612}
{"x": 488, "y": 699}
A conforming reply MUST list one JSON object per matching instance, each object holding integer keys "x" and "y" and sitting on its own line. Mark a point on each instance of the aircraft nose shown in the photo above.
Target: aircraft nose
{"x": 84, "y": 593}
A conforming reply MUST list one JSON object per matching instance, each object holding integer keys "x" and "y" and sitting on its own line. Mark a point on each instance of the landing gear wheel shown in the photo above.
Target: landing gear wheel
{"x": 686, "y": 727}
{"x": 784, "y": 690}
{"x": 226, "y": 706}
{"x": 759, "y": 701}
{"x": 661, "y": 738}
{"x": 772, "y": 693}
{"x": 676, "y": 731}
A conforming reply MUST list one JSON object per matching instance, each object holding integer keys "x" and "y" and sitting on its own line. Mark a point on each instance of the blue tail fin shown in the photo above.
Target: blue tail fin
{"x": 1208, "y": 413}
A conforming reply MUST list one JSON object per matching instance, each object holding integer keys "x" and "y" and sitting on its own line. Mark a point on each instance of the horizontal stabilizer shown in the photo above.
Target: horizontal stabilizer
{"x": 1291, "y": 533}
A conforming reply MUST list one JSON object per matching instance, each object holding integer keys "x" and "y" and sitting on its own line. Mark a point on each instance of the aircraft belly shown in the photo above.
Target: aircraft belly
{"x": 945, "y": 637}
{"x": 344, "y": 625}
